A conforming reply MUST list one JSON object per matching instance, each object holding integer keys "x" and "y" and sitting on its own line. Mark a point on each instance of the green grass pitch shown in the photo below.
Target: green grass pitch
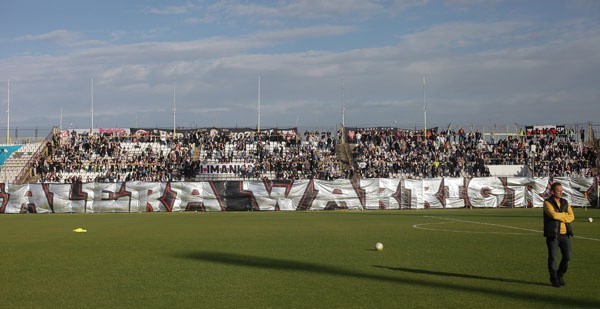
{"x": 431, "y": 258}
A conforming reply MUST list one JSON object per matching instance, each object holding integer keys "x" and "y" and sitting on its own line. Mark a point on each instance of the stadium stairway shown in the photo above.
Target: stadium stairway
{"x": 344, "y": 153}
{"x": 196, "y": 156}
{"x": 18, "y": 162}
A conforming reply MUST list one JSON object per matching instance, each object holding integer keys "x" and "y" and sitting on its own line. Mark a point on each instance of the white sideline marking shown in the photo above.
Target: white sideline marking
{"x": 594, "y": 239}
{"x": 420, "y": 226}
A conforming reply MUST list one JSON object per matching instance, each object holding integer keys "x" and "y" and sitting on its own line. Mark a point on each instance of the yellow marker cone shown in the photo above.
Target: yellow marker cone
{"x": 79, "y": 230}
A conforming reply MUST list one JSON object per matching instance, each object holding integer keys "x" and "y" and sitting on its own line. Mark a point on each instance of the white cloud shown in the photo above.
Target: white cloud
{"x": 194, "y": 20}
{"x": 56, "y": 36}
{"x": 304, "y": 32}
{"x": 61, "y": 37}
{"x": 284, "y": 10}
{"x": 461, "y": 35}
{"x": 171, "y": 10}
{"x": 477, "y": 71}
{"x": 402, "y": 5}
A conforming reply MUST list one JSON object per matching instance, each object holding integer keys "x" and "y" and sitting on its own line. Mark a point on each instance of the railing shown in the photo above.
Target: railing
{"x": 25, "y": 173}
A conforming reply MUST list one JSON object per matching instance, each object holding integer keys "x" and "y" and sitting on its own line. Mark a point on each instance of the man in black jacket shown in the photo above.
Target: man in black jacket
{"x": 558, "y": 216}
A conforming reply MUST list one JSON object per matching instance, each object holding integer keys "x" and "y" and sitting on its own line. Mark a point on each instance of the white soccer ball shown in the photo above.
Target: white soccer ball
{"x": 590, "y": 219}
{"x": 378, "y": 246}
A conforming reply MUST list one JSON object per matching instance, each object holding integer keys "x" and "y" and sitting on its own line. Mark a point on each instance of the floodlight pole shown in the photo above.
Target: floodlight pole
{"x": 4, "y": 152}
{"x": 343, "y": 115}
{"x": 258, "y": 108}
{"x": 343, "y": 105}
{"x": 174, "y": 109}
{"x": 8, "y": 116}
{"x": 92, "y": 104}
{"x": 424, "y": 111}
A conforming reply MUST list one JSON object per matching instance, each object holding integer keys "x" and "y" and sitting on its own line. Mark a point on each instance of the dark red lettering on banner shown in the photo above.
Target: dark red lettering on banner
{"x": 529, "y": 196}
{"x": 509, "y": 194}
{"x": 381, "y": 203}
{"x": 4, "y": 196}
{"x": 218, "y": 188}
{"x": 30, "y": 208}
{"x": 238, "y": 198}
{"x": 168, "y": 198}
{"x": 113, "y": 196}
{"x": 310, "y": 194}
{"x": 591, "y": 193}
{"x": 77, "y": 194}
{"x": 287, "y": 184}
{"x": 397, "y": 195}
{"x": 403, "y": 196}
{"x": 360, "y": 192}
{"x": 232, "y": 196}
{"x": 333, "y": 205}
{"x": 486, "y": 192}
{"x": 195, "y": 206}
{"x": 546, "y": 193}
{"x": 49, "y": 196}
{"x": 442, "y": 193}
{"x": 463, "y": 192}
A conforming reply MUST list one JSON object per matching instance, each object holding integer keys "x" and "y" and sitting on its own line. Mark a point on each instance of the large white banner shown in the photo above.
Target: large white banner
{"x": 291, "y": 195}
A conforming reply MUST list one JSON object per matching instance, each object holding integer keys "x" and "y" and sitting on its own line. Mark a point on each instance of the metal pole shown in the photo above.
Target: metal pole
{"x": 8, "y": 116}
{"x": 533, "y": 164}
{"x": 92, "y": 104}
{"x": 4, "y": 151}
{"x": 343, "y": 129}
{"x": 343, "y": 106}
{"x": 424, "y": 111}
{"x": 258, "y": 108}
{"x": 174, "y": 109}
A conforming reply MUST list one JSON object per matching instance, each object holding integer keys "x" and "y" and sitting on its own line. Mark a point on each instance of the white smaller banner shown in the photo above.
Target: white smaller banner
{"x": 227, "y": 168}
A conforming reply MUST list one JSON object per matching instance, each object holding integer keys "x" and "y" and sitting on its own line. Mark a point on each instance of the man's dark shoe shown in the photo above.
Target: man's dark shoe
{"x": 555, "y": 283}
{"x": 561, "y": 281}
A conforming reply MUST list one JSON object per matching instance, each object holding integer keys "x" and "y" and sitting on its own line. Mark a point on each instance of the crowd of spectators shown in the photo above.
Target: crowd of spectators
{"x": 282, "y": 155}
{"x": 102, "y": 158}
{"x": 274, "y": 154}
{"x": 105, "y": 157}
{"x": 383, "y": 153}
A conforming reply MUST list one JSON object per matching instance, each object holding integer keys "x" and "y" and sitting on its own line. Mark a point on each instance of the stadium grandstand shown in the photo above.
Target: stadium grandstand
{"x": 207, "y": 154}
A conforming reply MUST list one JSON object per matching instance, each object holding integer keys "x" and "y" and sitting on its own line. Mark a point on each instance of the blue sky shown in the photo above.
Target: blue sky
{"x": 486, "y": 62}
